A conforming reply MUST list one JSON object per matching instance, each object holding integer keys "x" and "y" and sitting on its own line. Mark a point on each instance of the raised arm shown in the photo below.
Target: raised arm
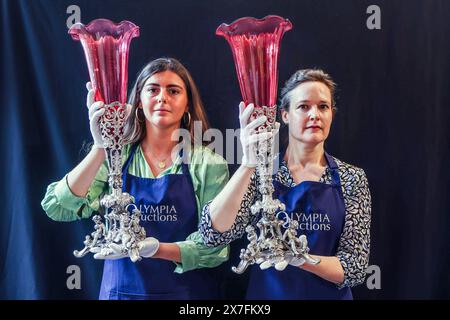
{"x": 80, "y": 178}
{"x": 225, "y": 207}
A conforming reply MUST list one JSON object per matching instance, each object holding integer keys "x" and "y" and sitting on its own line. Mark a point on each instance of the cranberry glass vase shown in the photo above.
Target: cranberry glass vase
{"x": 255, "y": 44}
{"x": 106, "y": 46}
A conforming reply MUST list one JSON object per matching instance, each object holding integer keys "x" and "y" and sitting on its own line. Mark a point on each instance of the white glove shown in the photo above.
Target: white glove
{"x": 96, "y": 110}
{"x": 147, "y": 248}
{"x": 297, "y": 262}
{"x": 113, "y": 252}
{"x": 249, "y": 137}
{"x": 279, "y": 266}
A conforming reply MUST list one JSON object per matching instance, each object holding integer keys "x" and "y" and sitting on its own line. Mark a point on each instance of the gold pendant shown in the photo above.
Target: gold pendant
{"x": 161, "y": 165}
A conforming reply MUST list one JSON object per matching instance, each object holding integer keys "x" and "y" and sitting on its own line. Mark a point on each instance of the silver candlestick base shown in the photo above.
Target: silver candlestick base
{"x": 119, "y": 232}
{"x": 270, "y": 246}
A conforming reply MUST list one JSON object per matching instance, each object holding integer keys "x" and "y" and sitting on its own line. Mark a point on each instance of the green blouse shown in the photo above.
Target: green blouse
{"x": 209, "y": 172}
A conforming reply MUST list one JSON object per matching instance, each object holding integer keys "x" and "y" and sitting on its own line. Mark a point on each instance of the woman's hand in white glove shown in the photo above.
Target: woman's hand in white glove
{"x": 147, "y": 248}
{"x": 96, "y": 110}
{"x": 113, "y": 252}
{"x": 249, "y": 137}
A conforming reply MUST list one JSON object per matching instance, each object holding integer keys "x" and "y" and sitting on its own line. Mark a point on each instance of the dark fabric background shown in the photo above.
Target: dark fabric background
{"x": 393, "y": 121}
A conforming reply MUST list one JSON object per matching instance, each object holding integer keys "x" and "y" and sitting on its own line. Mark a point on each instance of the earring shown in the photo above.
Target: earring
{"x": 188, "y": 122}
{"x": 136, "y": 112}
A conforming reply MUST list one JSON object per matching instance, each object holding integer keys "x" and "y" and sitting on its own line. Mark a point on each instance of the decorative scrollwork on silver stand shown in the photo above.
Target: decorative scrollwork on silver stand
{"x": 270, "y": 246}
{"x": 119, "y": 232}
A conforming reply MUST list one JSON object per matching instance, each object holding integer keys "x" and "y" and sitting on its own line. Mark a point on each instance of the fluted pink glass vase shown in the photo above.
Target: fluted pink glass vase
{"x": 255, "y": 44}
{"x": 106, "y": 46}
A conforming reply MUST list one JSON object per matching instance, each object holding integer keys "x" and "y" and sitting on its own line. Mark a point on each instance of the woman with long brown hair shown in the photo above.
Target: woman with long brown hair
{"x": 170, "y": 188}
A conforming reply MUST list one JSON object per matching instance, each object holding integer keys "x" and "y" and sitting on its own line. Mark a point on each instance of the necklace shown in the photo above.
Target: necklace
{"x": 161, "y": 163}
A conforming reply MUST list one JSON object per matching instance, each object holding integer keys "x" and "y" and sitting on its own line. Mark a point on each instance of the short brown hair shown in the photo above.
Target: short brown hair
{"x": 302, "y": 76}
{"x": 299, "y": 77}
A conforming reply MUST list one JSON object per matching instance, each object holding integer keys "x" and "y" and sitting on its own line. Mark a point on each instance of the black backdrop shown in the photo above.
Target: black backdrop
{"x": 393, "y": 121}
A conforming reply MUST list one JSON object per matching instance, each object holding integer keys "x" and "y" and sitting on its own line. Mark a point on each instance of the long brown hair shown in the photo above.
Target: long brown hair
{"x": 135, "y": 127}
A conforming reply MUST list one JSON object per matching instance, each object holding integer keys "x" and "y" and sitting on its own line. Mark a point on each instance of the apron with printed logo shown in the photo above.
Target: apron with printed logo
{"x": 169, "y": 213}
{"x": 320, "y": 211}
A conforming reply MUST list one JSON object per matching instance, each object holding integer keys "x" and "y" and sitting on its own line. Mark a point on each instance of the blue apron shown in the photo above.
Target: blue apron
{"x": 320, "y": 211}
{"x": 169, "y": 213}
